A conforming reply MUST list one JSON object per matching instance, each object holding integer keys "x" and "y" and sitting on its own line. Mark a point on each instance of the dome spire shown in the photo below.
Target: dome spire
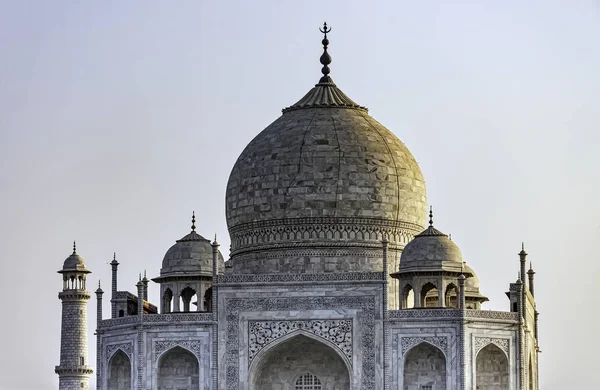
{"x": 325, "y": 57}
{"x": 193, "y": 221}
{"x": 74, "y": 248}
{"x": 430, "y": 215}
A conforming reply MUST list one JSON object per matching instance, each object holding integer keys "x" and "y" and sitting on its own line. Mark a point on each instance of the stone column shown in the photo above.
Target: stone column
{"x": 523, "y": 260}
{"x": 99, "y": 293}
{"x": 385, "y": 313}
{"x": 176, "y": 299}
{"x": 461, "y": 292}
{"x": 114, "y": 265}
{"x": 521, "y": 338}
{"x": 140, "y": 299}
{"x": 215, "y": 315}
{"x": 145, "y": 282}
{"x": 530, "y": 275}
{"x": 461, "y": 333}
{"x": 417, "y": 294}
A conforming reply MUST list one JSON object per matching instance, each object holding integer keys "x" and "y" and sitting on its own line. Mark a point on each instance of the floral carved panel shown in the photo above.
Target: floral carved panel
{"x": 263, "y": 333}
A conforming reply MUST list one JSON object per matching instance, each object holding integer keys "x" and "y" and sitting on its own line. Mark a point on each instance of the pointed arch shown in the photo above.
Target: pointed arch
{"x": 167, "y": 300}
{"x": 451, "y": 296}
{"x": 424, "y": 365}
{"x": 408, "y": 297}
{"x": 297, "y": 333}
{"x": 178, "y": 368}
{"x": 284, "y": 361}
{"x": 118, "y": 376}
{"x": 430, "y": 295}
{"x": 491, "y": 368}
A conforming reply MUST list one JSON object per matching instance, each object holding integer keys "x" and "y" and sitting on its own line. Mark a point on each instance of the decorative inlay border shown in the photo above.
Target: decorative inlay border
{"x": 407, "y": 343}
{"x": 161, "y": 346}
{"x": 454, "y": 313}
{"x": 491, "y": 315}
{"x": 263, "y": 333}
{"x": 326, "y": 277}
{"x": 127, "y": 349}
{"x": 424, "y": 313}
{"x": 366, "y": 323}
{"x": 482, "y": 342}
{"x": 288, "y": 232}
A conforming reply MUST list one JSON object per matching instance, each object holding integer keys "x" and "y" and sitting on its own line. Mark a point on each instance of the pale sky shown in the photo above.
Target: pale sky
{"x": 117, "y": 119}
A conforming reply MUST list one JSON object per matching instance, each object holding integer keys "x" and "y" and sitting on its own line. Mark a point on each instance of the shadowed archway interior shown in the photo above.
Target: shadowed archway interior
{"x": 300, "y": 359}
{"x": 424, "y": 368}
{"x": 178, "y": 369}
{"x": 119, "y": 372}
{"x": 492, "y": 369}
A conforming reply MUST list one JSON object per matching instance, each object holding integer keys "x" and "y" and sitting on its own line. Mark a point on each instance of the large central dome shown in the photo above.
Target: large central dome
{"x": 318, "y": 189}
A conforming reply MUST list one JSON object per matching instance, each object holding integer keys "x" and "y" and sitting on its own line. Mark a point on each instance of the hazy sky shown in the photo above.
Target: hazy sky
{"x": 119, "y": 118}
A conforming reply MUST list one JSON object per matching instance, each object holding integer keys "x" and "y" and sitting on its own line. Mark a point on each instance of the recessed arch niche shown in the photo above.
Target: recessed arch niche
{"x": 178, "y": 369}
{"x": 280, "y": 366}
{"x": 119, "y": 372}
{"x": 491, "y": 369}
{"x": 424, "y": 365}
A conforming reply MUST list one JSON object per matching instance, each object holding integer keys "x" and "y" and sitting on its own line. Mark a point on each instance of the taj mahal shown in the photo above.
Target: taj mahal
{"x": 337, "y": 279}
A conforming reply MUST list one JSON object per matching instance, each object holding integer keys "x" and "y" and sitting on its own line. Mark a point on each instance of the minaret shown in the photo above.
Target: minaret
{"x": 74, "y": 369}
{"x": 523, "y": 260}
{"x": 145, "y": 291}
{"x": 114, "y": 264}
{"x": 530, "y": 275}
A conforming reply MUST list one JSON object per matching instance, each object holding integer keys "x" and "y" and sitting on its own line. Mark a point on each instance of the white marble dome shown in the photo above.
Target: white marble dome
{"x": 190, "y": 255}
{"x": 323, "y": 184}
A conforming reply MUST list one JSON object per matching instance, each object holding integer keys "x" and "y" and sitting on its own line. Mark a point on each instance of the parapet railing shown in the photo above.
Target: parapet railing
{"x": 157, "y": 319}
{"x": 470, "y": 314}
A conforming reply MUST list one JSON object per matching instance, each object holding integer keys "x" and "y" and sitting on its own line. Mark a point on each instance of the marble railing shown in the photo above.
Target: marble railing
{"x": 470, "y": 314}
{"x": 157, "y": 318}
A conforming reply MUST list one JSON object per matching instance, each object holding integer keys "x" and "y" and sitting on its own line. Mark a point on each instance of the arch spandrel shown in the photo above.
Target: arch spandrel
{"x": 279, "y": 365}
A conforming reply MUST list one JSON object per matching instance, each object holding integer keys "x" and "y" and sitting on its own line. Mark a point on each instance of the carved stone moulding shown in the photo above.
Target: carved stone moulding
{"x": 263, "y": 333}
{"x": 278, "y": 278}
{"x": 162, "y": 346}
{"x": 366, "y": 324}
{"x": 438, "y": 341}
{"x": 482, "y": 342}
{"x": 269, "y": 234}
{"x": 126, "y": 348}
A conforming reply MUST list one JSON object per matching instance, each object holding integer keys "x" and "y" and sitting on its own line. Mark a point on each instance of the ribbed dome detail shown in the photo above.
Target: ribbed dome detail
{"x": 325, "y": 94}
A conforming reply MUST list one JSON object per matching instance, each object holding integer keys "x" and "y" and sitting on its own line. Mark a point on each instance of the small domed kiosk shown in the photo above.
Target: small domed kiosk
{"x": 429, "y": 269}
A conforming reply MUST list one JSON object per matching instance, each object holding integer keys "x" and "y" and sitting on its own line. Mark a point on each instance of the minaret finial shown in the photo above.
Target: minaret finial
{"x": 98, "y": 283}
{"x": 74, "y": 248}
{"x": 430, "y": 215}
{"x": 325, "y": 57}
{"x": 193, "y": 221}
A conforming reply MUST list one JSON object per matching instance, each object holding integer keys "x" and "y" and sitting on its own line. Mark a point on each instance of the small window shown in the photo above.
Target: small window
{"x": 308, "y": 382}
{"x": 81, "y": 360}
{"x": 121, "y": 313}
{"x": 82, "y": 385}
{"x": 427, "y": 387}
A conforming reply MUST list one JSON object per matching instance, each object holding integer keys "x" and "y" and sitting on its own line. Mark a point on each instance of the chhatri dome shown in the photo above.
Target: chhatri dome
{"x": 318, "y": 189}
{"x": 190, "y": 255}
